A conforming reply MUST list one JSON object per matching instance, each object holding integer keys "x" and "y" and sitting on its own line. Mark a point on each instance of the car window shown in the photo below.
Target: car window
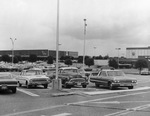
{"x": 69, "y": 70}
{"x": 115, "y": 73}
{"x": 103, "y": 73}
{"x": 5, "y": 76}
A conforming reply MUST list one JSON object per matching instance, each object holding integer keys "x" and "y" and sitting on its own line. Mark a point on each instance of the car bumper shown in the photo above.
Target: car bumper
{"x": 77, "y": 83}
{"x": 38, "y": 83}
{"x": 4, "y": 87}
{"x": 123, "y": 84}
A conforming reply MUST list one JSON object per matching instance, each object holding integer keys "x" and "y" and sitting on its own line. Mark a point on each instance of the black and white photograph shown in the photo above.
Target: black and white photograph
{"x": 74, "y": 58}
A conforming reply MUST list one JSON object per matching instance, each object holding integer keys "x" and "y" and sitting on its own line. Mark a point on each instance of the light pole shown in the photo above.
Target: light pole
{"x": 94, "y": 51}
{"x": 85, "y": 25}
{"x": 118, "y": 55}
{"x": 57, "y": 39}
{"x": 56, "y": 84}
{"x": 13, "y": 44}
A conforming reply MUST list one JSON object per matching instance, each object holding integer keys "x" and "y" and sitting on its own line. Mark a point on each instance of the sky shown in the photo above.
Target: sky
{"x": 111, "y": 24}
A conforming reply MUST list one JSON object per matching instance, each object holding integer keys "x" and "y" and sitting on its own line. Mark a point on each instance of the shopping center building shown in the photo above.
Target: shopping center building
{"x": 39, "y": 53}
{"x": 137, "y": 52}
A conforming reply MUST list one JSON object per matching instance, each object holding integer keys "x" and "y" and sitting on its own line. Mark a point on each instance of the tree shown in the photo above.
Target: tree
{"x": 50, "y": 60}
{"x": 19, "y": 57}
{"x": 6, "y": 58}
{"x": 80, "y": 59}
{"x": 89, "y": 61}
{"x": 68, "y": 62}
{"x": 140, "y": 64}
{"x": 113, "y": 63}
{"x": 33, "y": 58}
{"x": 15, "y": 59}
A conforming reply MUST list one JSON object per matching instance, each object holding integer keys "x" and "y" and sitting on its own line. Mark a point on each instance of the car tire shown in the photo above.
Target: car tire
{"x": 19, "y": 84}
{"x": 84, "y": 86}
{"x": 110, "y": 86}
{"x": 28, "y": 86}
{"x": 45, "y": 86}
{"x": 131, "y": 87}
{"x": 14, "y": 90}
{"x": 67, "y": 86}
{"x": 97, "y": 85}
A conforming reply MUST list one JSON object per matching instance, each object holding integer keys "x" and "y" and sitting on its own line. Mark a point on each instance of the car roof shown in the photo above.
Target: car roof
{"x": 68, "y": 68}
{"x": 5, "y": 73}
{"x": 110, "y": 70}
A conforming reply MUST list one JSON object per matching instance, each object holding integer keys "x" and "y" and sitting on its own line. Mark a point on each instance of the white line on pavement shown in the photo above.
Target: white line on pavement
{"x": 63, "y": 114}
{"x": 117, "y": 91}
{"x": 28, "y": 93}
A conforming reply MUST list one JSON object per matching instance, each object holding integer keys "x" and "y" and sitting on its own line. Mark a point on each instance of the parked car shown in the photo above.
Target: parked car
{"x": 113, "y": 79}
{"x": 70, "y": 76}
{"x": 145, "y": 71}
{"x": 33, "y": 77}
{"x": 8, "y": 82}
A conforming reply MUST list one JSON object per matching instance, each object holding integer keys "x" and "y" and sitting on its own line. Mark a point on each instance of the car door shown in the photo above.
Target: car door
{"x": 22, "y": 78}
{"x": 103, "y": 78}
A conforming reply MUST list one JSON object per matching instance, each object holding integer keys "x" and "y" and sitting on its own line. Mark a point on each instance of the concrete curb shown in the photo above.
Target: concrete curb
{"x": 63, "y": 94}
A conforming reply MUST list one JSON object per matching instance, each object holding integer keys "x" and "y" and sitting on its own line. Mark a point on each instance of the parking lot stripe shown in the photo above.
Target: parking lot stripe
{"x": 117, "y": 91}
{"x": 28, "y": 93}
{"x": 63, "y": 114}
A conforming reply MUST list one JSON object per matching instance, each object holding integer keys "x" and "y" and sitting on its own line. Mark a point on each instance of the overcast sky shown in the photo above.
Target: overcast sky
{"x": 111, "y": 24}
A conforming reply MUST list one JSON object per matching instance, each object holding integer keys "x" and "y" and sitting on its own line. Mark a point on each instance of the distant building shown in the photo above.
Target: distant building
{"x": 136, "y": 52}
{"x": 39, "y": 53}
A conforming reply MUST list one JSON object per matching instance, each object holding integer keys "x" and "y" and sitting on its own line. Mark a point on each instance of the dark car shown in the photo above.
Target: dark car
{"x": 70, "y": 77}
{"x": 8, "y": 82}
{"x": 112, "y": 79}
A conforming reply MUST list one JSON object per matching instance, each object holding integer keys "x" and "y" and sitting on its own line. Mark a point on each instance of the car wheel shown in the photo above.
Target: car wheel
{"x": 28, "y": 86}
{"x": 19, "y": 84}
{"x": 110, "y": 86}
{"x": 84, "y": 86}
{"x": 97, "y": 85}
{"x": 45, "y": 86}
{"x": 14, "y": 90}
{"x": 131, "y": 87}
{"x": 67, "y": 86}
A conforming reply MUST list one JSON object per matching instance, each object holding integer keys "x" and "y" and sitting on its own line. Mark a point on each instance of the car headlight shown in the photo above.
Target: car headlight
{"x": 134, "y": 81}
{"x": 30, "y": 81}
{"x": 116, "y": 81}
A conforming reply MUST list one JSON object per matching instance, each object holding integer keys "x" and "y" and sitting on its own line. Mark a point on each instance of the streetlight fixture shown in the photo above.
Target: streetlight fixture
{"x": 13, "y": 44}
{"x": 118, "y": 55}
{"x": 85, "y": 25}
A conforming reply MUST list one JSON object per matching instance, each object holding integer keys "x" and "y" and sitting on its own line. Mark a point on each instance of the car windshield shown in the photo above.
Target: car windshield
{"x": 31, "y": 72}
{"x": 115, "y": 73}
{"x": 5, "y": 76}
{"x": 70, "y": 70}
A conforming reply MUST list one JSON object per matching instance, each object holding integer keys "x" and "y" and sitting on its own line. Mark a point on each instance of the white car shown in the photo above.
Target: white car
{"x": 33, "y": 77}
{"x": 145, "y": 71}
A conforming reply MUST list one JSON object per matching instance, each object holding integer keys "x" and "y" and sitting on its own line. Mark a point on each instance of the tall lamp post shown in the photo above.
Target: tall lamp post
{"x": 57, "y": 82}
{"x": 94, "y": 52}
{"x": 85, "y": 25}
{"x": 13, "y": 44}
{"x": 118, "y": 55}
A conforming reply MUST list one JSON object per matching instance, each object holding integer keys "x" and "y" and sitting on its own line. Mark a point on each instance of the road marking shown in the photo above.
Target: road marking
{"x": 94, "y": 100}
{"x": 117, "y": 91}
{"x": 129, "y": 110}
{"x": 34, "y": 110}
{"x": 27, "y": 92}
{"x": 119, "y": 102}
{"x": 63, "y": 114}
{"x": 73, "y": 103}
